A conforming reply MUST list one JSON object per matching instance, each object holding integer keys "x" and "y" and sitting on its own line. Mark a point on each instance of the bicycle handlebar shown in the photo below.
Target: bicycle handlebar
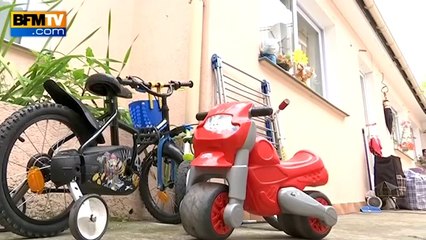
{"x": 139, "y": 84}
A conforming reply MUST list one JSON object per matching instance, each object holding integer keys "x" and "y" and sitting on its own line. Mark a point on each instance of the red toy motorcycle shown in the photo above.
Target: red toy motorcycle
{"x": 226, "y": 146}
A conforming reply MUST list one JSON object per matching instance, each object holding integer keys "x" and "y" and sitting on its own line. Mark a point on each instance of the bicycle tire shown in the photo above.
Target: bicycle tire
{"x": 180, "y": 186}
{"x": 10, "y": 131}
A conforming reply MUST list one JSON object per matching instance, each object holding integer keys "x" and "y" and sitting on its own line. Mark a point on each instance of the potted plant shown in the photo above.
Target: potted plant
{"x": 284, "y": 61}
{"x": 303, "y": 72}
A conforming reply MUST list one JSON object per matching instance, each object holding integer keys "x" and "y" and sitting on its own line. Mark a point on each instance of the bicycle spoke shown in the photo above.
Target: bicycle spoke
{"x": 153, "y": 174}
{"x": 48, "y": 204}
{"x": 19, "y": 192}
{"x": 16, "y": 175}
{"x": 45, "y": 134}
{"x": 29, "y": 155}
{"x": 153, "y": 188}
{"x": 25, "y": 173}
{"x": 65, "y": 198}
{"x": 26, "y": 200}
{"x": 61, "y": 144}
{"x": 17, "y": 164}
{"x": 31, "y": 142}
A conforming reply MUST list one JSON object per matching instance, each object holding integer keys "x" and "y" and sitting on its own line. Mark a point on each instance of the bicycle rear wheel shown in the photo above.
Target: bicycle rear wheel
{"x": 26, "y": 141}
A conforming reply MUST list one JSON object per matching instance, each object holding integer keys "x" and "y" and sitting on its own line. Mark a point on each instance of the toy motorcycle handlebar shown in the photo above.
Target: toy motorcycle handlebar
{"x": 139, "y": 84}
{"x": 201, "y": 116}
{"x": 261, "y": 111}
{"x": 254, "y": 112}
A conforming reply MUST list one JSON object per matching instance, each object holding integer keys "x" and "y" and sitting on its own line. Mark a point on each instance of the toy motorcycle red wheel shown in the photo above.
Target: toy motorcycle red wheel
{"x": 306, "y": 227}
{"x": 202, "y": 211}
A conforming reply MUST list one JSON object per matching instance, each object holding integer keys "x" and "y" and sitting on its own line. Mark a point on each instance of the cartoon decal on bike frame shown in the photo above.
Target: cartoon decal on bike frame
{"x": 112, "y": 174}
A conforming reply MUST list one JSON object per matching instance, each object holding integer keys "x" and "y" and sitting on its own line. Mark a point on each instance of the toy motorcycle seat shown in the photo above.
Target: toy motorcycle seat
{"x": 302, "y": 162}
{"x": 103, "y": 85}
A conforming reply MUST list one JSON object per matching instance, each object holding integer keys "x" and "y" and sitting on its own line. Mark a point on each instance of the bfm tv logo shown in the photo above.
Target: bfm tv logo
{"x": 38, "y": 24}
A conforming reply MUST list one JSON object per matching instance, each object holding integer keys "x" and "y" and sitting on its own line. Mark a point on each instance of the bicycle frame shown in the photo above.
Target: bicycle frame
{"x": 112, "y": 119}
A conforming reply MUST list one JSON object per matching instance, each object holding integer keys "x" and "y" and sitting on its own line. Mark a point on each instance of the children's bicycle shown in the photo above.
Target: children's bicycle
{"x": 54, "y": 156}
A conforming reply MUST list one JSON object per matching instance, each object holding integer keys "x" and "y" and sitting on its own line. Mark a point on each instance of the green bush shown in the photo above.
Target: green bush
{"x": 69, "y": 70}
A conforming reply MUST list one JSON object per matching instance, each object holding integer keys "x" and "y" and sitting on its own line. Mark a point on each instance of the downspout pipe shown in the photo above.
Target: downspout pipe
{"x": 372, "y": 13}
{"x": 195, "y": 48}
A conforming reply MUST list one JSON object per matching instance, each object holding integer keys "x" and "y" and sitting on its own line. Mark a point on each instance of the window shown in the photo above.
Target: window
{"x": 405, "y": 136}
{"x": 287, "y": 25}
{"x": 309, "y": 41}
{"x": 34, "y": 43}
{"x": 3, "y": 16}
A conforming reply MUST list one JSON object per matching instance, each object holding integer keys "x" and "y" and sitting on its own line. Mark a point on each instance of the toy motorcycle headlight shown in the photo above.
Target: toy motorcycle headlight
{"x": 220, "y": 124}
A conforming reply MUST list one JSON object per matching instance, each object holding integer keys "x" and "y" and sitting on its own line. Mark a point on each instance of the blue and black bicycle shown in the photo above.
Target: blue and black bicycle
{"x": 55, "y": 161}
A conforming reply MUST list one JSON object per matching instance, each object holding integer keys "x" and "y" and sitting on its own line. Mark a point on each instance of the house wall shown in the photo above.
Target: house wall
{"x": 19, "y": 58}
{"x": 160, "y": 53}
{"x": 161, "y": 50}
{"x": 309, "y": 122}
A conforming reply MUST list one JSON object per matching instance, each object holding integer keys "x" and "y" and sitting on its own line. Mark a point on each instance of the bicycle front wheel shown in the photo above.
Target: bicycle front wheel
{"x": 159, "y": 201}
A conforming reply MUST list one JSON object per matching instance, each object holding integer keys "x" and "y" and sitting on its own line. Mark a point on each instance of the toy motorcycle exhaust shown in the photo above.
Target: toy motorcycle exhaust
{"x": 296, "y": 202}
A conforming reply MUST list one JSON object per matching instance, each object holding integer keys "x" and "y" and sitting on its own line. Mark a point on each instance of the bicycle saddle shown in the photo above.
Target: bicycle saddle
{"x": 103, "y": 85}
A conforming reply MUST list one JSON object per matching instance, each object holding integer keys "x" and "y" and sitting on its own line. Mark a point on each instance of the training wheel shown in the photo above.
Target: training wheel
{"x": 89, "y": 218}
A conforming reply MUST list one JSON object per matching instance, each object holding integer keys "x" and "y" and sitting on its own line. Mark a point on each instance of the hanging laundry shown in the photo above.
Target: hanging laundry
{"x": 388, "y": 115}
{"x": 375, "y": 146}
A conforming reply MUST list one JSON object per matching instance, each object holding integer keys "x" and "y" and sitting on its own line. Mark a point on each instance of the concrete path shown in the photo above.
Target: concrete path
{"x": 401, "y": 225}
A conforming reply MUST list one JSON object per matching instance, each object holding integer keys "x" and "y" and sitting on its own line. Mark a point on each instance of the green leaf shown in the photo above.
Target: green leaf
{"x": 51, "y": 1}
{"x": 108, "y": 39}
{"x": 70, "y": 23}
{"x": 85, "y": 39}
{"x": 106, "y": 68}
{"x": 54, "y": 5}
{"x": 110, "y": 60}
{"x": 7, "y": 47}
{"x": 4, "y": 63}
{"x": 9, "y": 6}
{"x": 78, "y": 74}
{"x": 6, "y": 26}
{"x": 89, "y": 97}
{"x": 127, "y": 55}
{"x": 89, "y": 56}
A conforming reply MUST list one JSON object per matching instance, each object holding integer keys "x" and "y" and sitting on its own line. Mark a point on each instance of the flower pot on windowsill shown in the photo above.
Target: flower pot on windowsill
{"x": 284, "y": 61}
{"x": 284, "y": 65}
{"x": 407, "y": 146}
{"x": 271, "y": 57}
{"x": 303, "y": 75}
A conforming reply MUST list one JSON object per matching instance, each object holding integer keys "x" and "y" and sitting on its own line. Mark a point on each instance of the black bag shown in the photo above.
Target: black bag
{"x": 389, "y": 178}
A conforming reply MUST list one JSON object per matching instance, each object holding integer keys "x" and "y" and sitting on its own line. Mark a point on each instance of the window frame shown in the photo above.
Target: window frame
{"x": 320, "y": 44}
{"x": 297, "y": 9}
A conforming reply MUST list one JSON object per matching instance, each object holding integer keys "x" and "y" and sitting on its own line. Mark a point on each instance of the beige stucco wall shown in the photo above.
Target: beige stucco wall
{"x": 20, "y": 60}
{"x": 161, "y": 50}
{"x": 308, "y": 122}
{"x": 160, "y": 53}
